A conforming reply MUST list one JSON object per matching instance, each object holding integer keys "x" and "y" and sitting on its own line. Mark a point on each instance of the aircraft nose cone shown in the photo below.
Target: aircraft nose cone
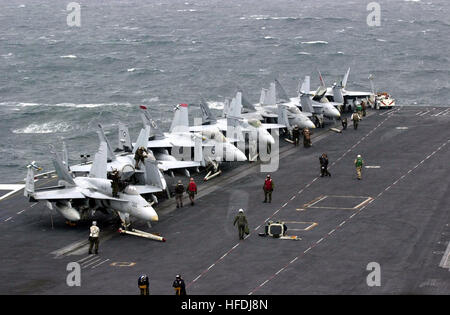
{"x": 310, "y": 124}
{"x": 268, "y": 138}
{"x": 148, "y": 214}
{"x": 337, "y": 114}
{"x": 240, "y": 156}
{"x": 73, "y": 215}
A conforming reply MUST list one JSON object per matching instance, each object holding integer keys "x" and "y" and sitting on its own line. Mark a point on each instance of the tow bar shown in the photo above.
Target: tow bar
{"x": 143, "y": 234}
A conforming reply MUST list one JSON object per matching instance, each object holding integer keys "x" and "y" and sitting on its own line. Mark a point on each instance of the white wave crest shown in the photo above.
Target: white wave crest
{"x": 316, "y": 42}
{"x": 73, "y": 105}
{"x": 48, "y": 127}
{"x": 68, "y": 57}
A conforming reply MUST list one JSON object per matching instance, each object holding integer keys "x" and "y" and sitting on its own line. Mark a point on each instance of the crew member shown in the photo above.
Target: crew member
{"x": 344, "y": 123}
{"x": 93, "y": 237}
{"x": 306, "y": 138}
{"x": 324, "y": 165}
{"x": 179, "y": 286}
{"x": 268, "y": 188}
{"x": 179, "y": 190}
{"x": 359, "y": 164}
{"x": 296, "y": 135}
{"x": 355, "y": 117}
{"x": 115, "y": 179}
{"x": 363, "y": 106}
{"x": 359, "y": 109}
{"x": 192, "y": 190}
{"x": 139, "y": 156}
{"x": 241, "y": 221}
{"x": 143, "y": 284}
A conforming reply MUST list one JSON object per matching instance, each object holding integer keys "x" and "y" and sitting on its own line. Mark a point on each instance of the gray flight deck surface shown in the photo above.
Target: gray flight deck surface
{"x": 397, "y": 216}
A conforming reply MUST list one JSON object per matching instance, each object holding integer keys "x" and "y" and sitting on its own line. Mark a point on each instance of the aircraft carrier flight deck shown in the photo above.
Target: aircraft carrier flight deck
{"x": 397, "y": 217}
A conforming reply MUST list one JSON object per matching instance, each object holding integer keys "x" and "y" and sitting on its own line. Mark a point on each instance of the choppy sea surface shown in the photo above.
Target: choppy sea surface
{"x": 57, "y": 82}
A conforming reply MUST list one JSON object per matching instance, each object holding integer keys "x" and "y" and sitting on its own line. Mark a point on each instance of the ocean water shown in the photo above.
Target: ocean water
{"x": 58, "y": 82}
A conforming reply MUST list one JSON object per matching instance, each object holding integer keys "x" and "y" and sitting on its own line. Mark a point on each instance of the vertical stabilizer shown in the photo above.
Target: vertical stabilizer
{"x": 306, "y": 85}
{"x": 344, "y": 81}
{"x": 102, "y": 138}
{"x": 270, "y": 97}
{"x": 153, "y": 175}
{"x": 207, "y": 115}
{"x": 29, "y": 180}
{"x": 124, "y": 138}
{"x": 337, "y": 94}
{"x": 226, "y": 107}
{"x": 65, "y": 156}
{"x": 180, "y": 122}
{"x": 246, "y": 104}
{"x": 322, "y": 82}
{"x": 98, "y": 168}
{"x": 142, "y": 140}
{"x": 234, "y": 114}
{"x": 280, "y": 94}
{"x": 61, "y": 169}
{"x": 149, "y": 121}
{"x": 372, "y": 86}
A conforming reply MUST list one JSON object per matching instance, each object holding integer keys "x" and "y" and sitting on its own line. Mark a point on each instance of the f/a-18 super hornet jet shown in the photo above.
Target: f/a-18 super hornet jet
{"x": 79, "y": 197}
{"x": 210, "y": 145}
{"x": 152, "y": 178}
{"x": 235, "y": 124}
{"x": 271, "y": 105}
{"x": 234, "y": 118}
{"x": 160, "y": 143}
{"x": 316, "y": 103}
{"x": 338, "y": 93}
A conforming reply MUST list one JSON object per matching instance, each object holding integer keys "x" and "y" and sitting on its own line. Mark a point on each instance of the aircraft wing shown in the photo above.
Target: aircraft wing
{"x": 160, "y": 143}
{"x": 147, "y": 189}
{"x": 182, "y": 142}
{"x": 200, "y": 128}
{"x": 356, "y": 94}
{"x": 335, "y": 104}
{"x": 55, "y": 194}
{"x": 85, "y": 168}
{"x": 252, "y": 115}
{"x": 273, "y": 126}
{"x": 267, "y": 114}
{"x": 169, "y": 165}
{"x": 97, "y": 195}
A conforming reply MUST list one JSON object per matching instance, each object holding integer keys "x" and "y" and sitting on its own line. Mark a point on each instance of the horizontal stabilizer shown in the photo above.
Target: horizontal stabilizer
{"x": 147, "y": 189}
{"x": 58, "y": 194}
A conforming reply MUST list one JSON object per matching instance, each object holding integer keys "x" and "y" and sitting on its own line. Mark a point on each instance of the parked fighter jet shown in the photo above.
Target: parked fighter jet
{"x": 210, "y": 145}
{"x": 339, "y": 94}
{"x": 73, "y": 198}
{"x": 234, "y": 119}
{"x": 152, "y": 177}
{"x": 269, "y": 107}
{"x": 316, "y": 103}
{"x": 235, "y": 124}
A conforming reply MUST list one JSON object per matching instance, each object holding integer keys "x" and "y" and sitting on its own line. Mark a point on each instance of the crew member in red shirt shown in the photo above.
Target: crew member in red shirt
{"x": 268, "y": 188}
{"x": 192, "y": 190}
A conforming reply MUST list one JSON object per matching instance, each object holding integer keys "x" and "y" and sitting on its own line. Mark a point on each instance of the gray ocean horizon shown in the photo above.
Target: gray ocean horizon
{"x": 57, "y": 82}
